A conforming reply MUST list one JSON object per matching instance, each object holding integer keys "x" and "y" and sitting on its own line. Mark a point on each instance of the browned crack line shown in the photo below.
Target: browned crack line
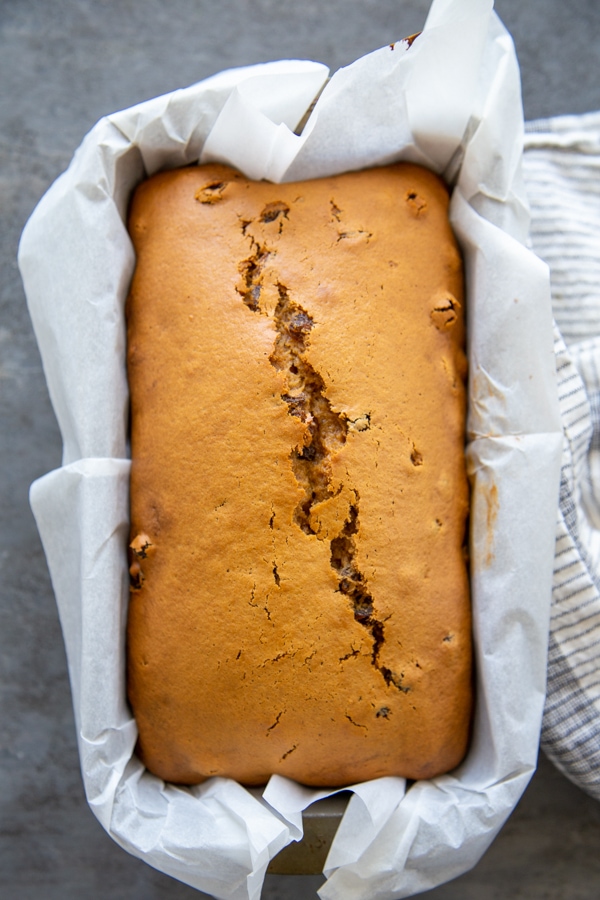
{"x": 275, "y": 723}
{"x": 252, "y": 594}
{"x": 251, "y": 271}
{"x": 352, "y": 583}
{"x": 356, "y": 724}
{"x": 326, "y": 430}
{"x": 305, "y": 396}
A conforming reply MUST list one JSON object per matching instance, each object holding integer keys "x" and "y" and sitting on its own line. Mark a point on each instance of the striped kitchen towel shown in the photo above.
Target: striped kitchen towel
{"x": 562, "y": 173}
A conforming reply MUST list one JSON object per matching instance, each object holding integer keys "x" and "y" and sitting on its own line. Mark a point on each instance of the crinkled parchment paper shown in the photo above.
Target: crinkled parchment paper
{"x": 451, "y": 101}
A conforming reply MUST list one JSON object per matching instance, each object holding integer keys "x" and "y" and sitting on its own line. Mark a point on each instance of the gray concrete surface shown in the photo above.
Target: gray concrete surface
{"x": 63, "y": 64}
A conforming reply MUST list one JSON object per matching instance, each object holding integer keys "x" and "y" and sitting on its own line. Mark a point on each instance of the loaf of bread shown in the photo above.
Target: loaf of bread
{"x": 300, "y": 598}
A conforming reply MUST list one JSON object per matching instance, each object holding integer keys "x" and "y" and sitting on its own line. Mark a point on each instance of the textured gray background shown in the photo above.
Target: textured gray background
{"x": 63, "y": 64}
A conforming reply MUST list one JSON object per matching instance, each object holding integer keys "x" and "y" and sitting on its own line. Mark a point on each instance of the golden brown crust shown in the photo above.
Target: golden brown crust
{"x": 298, "y": 488}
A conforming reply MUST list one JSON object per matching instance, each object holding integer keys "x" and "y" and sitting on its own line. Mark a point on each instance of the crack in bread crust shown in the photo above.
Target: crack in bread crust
{"x": 326, "y": 432}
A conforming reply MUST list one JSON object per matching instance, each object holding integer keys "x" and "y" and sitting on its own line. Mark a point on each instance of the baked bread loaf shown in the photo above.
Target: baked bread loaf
{"x": 300, "y": 599}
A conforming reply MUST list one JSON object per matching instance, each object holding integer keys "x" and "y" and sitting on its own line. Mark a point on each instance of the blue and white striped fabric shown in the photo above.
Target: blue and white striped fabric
{"x": 562, "y": 173}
